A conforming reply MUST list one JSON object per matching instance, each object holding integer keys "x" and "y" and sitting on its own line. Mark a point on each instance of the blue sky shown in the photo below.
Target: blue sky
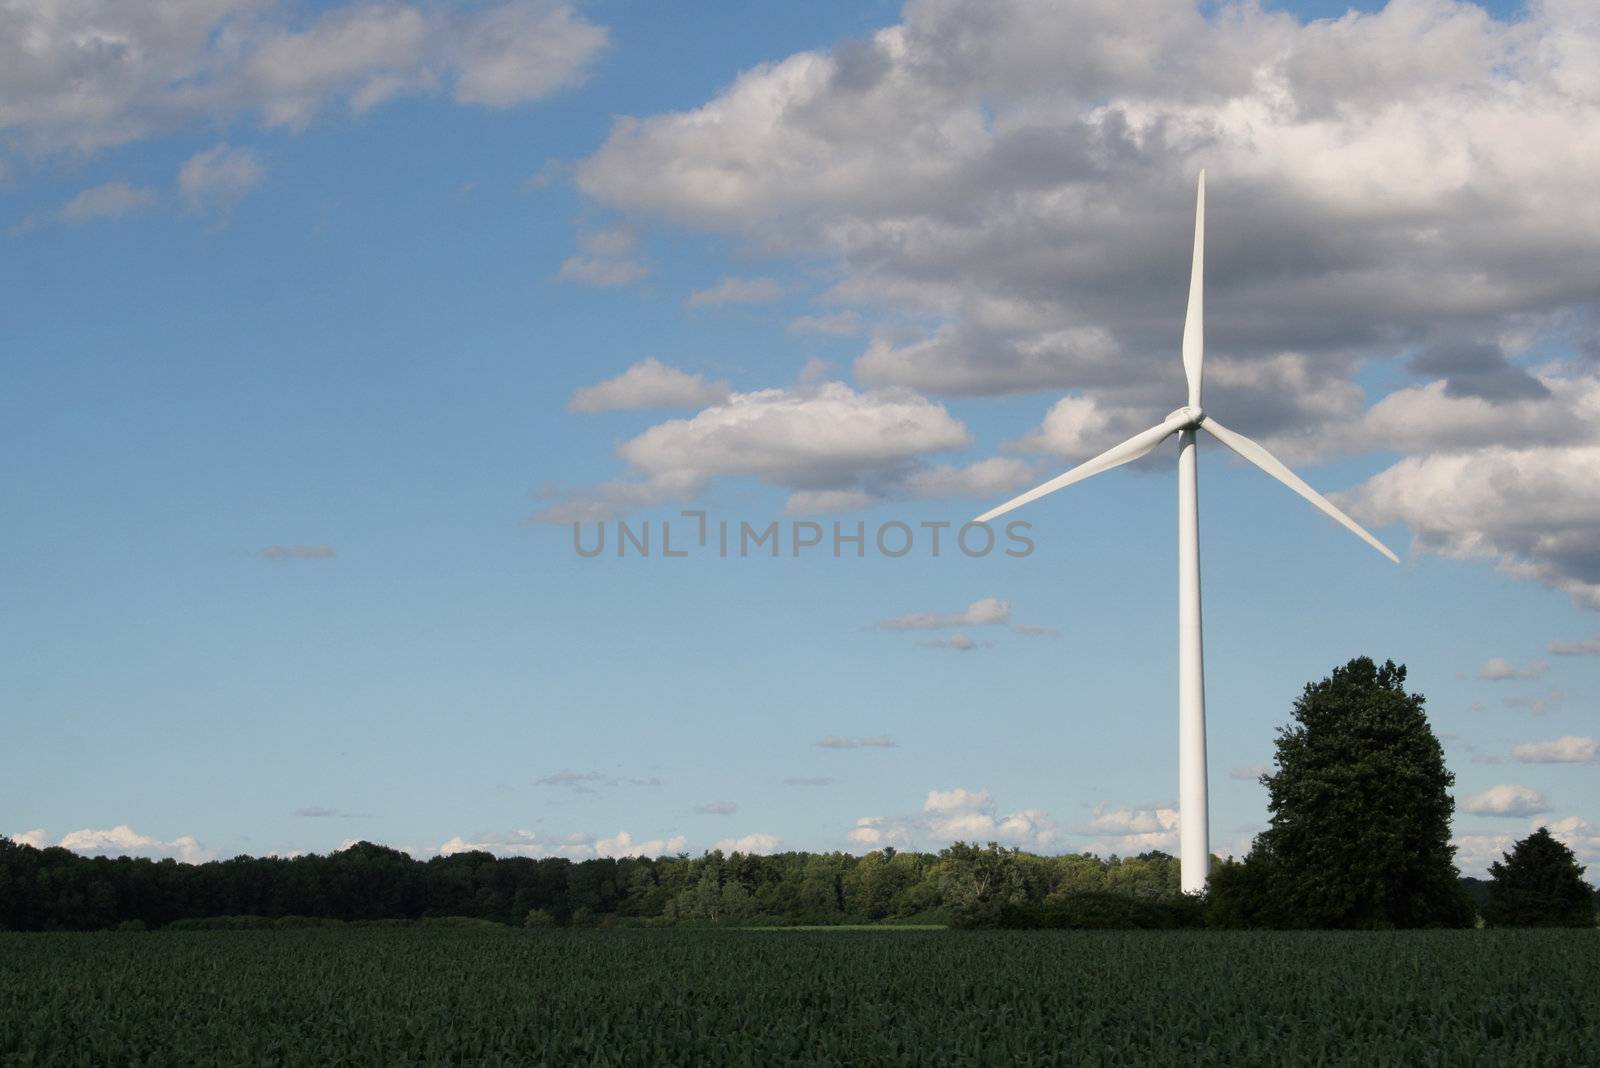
{"x": 301, "y": 297}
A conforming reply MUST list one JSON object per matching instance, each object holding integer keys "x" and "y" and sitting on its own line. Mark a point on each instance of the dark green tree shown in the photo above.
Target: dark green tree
{"x": 1360, "y": 811}
{"x": 1539, "y": 885}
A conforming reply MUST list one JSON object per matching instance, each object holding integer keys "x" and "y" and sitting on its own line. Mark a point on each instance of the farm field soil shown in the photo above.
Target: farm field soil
{"x": 653, "y": 997}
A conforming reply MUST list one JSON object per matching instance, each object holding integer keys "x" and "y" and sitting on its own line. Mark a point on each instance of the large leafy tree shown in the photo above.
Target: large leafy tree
{"x": 1360, "y": 810}
{"x": 1540, "y": 884}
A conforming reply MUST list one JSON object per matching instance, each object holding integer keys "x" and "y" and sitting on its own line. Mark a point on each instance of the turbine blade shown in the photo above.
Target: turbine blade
{"x": 1194, "y": 330}
{"x": 1135, "y": 447}
{"x": 1272, "y": 466}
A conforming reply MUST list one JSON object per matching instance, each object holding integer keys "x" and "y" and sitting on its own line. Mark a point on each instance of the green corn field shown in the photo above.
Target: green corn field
{"x": 658, "y": 997}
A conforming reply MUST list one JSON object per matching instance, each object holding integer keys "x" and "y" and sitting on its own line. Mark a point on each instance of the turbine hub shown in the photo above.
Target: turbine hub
{"x": 1193, "y": 413}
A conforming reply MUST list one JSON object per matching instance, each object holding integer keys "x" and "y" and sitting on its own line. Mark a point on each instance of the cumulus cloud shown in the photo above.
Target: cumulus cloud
{"x": 1506, "y": 799}
{"x": 737, "y": 291}
{"x": 826, "y": 437}
{"x": 971, "y": 815}
{"x": 758, "y": 844}
{"x": 607, "y": 258}
{"x": 1477, "y": 369}
{"x": 820, "y": 502}
{"x": 649, "y": 384}
{"x": 1533, "y": 512}
{"x": 1019, "y": 178}
{"x": 124, "y": 841}
{"x": 1475, "y": 852}
{"x": 968, "y": 176}
{"x": 959, "y": 799}
{"x": 296, "y": 552}
{"x": 876, "y": 832}
{"x": 219, "y": 176}
{"x": 95, "y": 73}
{"x": 111, "y": 200}
{"x": 1584, "y": 647}
{"x": 1133, "y": 829}
{"x": 1248, "y": 772}
{"x": 988, "y": 610}
{"x": 834, "y": 741}
{"x": 1499, "y": 669}
{"x": 1579, "y": 835}
{"x": 1570, "y": 749}
{"x": 577, "y": 845}
{"x": 983, "y": 478}
{"x": 522, "y": 51}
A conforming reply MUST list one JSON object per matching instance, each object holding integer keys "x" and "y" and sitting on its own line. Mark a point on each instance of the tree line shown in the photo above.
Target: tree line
{"x": 1358, "y": 838}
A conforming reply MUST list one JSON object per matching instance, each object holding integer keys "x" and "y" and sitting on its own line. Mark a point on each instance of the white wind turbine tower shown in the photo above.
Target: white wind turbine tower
{"x": 1193, "y": 811}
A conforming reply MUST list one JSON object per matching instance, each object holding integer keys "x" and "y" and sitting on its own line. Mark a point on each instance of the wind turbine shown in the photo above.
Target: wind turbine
{"x": 1193, "y": 811}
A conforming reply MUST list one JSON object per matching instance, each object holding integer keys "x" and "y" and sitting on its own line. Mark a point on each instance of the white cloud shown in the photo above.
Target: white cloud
{"x": 1536, "y": 705}
{"x": 92, "y": 73}
{"x": 876, "y": 741}
{"x": 811, "y": 438}
{"x": 522, "y": 51}
{"x": 814, "y": 370}
{"x": 1570, "y": 749}
{"x": 1506, "y": 799}
{"x": 220, "y": 175}
{"x": 758, "y": 844}
{"x": 1579, "y": 835}
{"x": 1475, "y": 852}
{"x": 1018, "y": 178}
{"x": 876, "y": 832}
{"x": 1583, "y": 647}
{"x": 577, "y": 845}
{"x": 38, "y": 838}
{"x": 1499, "y": 669}
{"x": 623, "y": 845}
{"x": 111, "y": 200}
{"x": 983, "y": 478}
{"x": 124, "y": 841}
{"x": 960, "y": 643}
{"x": 1248, "y": 772}
{"x": 649, "y": 384}
{"x": 1534, "y": 512}
{"x": 717, "y": 808}
{"x": 598, "y": 271}
{"x": 611, "y": 241}
{"x": 737, "y": 291}
{"x": 968, "y": 815}
{"x": 820, "y": 502}
{"x": 1134, "y": 829}
{"x": 987, "y": 611}
{"x": 834, "y": 324}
